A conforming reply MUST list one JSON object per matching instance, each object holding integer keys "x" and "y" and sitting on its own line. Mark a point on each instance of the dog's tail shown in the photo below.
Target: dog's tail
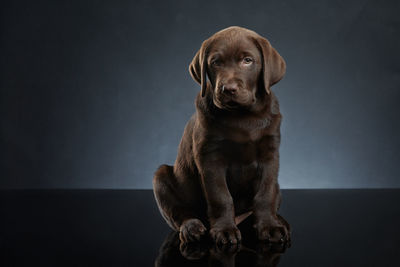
{"x": 240, "y": 218}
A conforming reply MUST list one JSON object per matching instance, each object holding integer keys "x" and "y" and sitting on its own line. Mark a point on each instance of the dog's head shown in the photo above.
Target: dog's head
{"x": 238, "y": 63}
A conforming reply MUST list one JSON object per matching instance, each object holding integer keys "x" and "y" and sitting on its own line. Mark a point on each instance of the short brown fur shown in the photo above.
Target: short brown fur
{"x": 228, "y": 159}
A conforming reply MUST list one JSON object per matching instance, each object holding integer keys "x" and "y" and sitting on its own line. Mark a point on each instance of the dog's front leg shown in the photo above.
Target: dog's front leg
{"x": 219, "y": 202}
{"x": 266, "y": 203}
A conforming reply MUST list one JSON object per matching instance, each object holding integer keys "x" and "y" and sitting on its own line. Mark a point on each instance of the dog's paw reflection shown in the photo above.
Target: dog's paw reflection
{"x": 269, "y": 254}
{"x": 249, "y": 253}
{"x": 193, "y": 250}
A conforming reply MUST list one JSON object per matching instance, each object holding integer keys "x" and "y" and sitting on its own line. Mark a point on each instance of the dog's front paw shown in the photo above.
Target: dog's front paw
{"x": 225, "y": 234}
{"x": 191, "y": 230}
{"x": 273, "y": 229}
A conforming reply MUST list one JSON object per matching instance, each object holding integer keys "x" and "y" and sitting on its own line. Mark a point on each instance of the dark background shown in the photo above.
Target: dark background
{"x": 96, "y": 94}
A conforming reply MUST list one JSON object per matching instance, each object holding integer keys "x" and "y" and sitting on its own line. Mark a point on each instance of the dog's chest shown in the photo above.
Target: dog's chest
{"x": 241, "y": 179}
{"x": 245, "y": 165}
{"x": 239, "y": 171}
{"x": 244, "y": 160}
{"x": 249, "y": 152}
{"x": 251, "y": 131}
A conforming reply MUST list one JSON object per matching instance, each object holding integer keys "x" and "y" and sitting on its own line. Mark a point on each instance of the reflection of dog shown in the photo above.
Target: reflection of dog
{"x": 228, "y": 160}
{"x": 175, "y": 253}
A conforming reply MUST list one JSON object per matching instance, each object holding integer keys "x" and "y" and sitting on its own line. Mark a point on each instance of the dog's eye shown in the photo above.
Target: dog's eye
{"x": 215, "y": 62}
{"x": 247, "y": 60}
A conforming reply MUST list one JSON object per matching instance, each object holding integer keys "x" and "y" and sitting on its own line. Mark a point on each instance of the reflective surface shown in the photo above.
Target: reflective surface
{"x": 124, "y": 228}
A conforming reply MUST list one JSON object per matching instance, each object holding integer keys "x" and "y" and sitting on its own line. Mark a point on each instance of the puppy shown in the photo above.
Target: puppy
{"x": 228, "y": 158}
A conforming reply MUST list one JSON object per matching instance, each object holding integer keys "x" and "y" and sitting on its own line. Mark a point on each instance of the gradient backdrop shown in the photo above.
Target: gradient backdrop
{"x": 96, "y": 94}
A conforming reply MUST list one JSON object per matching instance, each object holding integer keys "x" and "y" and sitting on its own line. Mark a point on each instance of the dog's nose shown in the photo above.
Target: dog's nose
{"x": 229, "y": 89}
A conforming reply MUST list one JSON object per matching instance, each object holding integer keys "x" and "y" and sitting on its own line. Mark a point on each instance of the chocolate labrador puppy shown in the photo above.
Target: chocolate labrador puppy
{"x": 228, "y": 159}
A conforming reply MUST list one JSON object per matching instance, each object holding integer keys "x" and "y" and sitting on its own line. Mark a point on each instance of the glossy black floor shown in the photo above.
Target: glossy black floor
{"x": 124, "y": 228}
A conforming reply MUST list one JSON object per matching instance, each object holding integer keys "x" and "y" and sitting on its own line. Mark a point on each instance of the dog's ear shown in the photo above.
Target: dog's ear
{"x": 198, "y": 67}
{"x": 273, "y": 65}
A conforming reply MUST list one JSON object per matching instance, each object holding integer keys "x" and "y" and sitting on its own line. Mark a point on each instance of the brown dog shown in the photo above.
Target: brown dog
{"x": 228, "y": 158}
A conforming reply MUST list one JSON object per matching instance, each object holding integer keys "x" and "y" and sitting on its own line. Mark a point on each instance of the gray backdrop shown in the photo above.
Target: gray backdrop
{"x": 96, "y": 95}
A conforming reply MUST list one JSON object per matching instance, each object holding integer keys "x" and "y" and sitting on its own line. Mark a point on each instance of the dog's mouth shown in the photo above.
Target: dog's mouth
{"x": 231, "y": 102}
{"x": 227, "y": 105}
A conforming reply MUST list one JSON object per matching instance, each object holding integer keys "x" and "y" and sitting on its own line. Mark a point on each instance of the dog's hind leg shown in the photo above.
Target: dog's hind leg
{"x": 175, "y": 210}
